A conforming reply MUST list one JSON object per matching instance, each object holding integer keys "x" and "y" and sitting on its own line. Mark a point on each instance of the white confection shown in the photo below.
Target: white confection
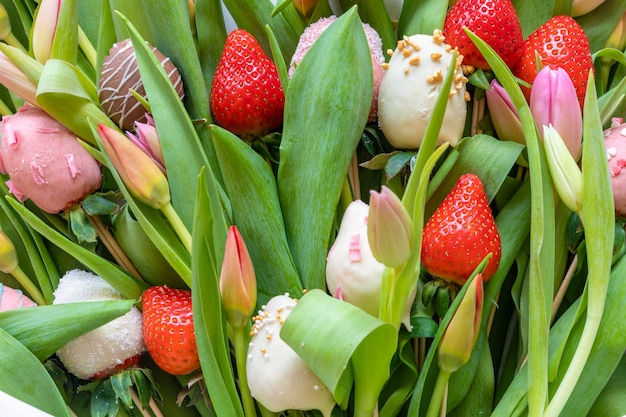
{"x": 107, "y": 346}
{"x": 410, "y": 88}
{"x": 278, "y": 378}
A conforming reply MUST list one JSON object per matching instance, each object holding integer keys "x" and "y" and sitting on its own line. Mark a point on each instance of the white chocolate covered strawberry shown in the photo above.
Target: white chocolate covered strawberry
{"x": 44, "y": 161}
{"x": 278, "y": 378}
{"x": 102, "y": 351}
{"x": 410, "y": 87}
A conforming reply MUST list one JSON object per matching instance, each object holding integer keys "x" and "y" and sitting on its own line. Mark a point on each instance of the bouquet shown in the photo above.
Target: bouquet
{"x": 301, "y": 207}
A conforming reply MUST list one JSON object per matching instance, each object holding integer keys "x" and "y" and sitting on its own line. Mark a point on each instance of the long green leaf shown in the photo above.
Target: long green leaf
{"x": 421, "y": 16}
{"x": 320, "y": 134}
{"x": 542, "y": 234}
{"x": 248, "y": 178}
{"x": 209, "y": 319}
{"x": 45, "y": 329}
{"x": 25, "y": 378}
{"x": 183, "y": 153}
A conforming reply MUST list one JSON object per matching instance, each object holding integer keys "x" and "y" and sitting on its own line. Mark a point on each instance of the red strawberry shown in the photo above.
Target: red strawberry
{"x": 494, "y": 21}
{"x": 560, "y": 42}
{"x": 460, "y": 233}
{"x": 168, "y": 330}
{"x": 246, "y": 95}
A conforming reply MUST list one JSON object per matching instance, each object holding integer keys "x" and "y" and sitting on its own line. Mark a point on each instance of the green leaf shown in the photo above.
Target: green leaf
{"x": 211, "y": 34}
{"x": 248, "y": 178}
{"x": 533, "y": 13}
{"x": 209, "y": 319}
{"x": 320, "y": 135}
{"x": 65, "y": 44}
{"x": 81, "y": 227}
{"x": 121, "y": 383}
{"x": 24, "y": 377}
{"x": 362, "y": 353}
{"x": 421, "y": 16}
{"x": 183, "y": 153}
{"x": 45, "y": 329}
{"x": 375, "y": 14}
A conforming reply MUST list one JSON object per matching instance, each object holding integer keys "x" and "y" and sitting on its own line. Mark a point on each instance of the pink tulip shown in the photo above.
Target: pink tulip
{"x": 141, "y": 176}
{"x": 44, "y": 28}
{"x": 15, "y": 81}
{"x": 147, "y": 139}
{"x": 390, "y": 228}
{"x": 462, "y": 332}
{"x": 504, "y": 115}
{"x": 553, "y": 101}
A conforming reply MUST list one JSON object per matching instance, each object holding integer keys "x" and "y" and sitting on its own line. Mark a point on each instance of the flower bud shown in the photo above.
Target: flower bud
{"x": 8, "y": 256}
{"x": 566, "y": 174}
{"x": 503, "y": 114}
{"x": 147, "y": 139}
{"x": 16, "y": 81}
{"x": 553, "y": 101}
{"x": 389, "y": 228}
{"x": 462, "y": 332}
{"x": 140, "y": 174}
{"x": 44, "y": 28}
{"x": 237, "y": 280}
{"x": 581, "y": 7}
{"x": 278, "y": 378}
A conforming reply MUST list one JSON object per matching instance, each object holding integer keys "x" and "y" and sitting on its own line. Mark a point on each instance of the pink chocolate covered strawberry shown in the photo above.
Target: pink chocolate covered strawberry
{"x": 11, "y": 299}
{"x": 44, "y": 161}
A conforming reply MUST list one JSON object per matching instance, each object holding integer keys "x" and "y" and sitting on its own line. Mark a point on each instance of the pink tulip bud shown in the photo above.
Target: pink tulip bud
{"x": 553, "y": 101}
{"x": 8, "y": 256}
{"x": 390, "y": 228}
{"x": 462, "y": 332}
{"x": 147, "y": 139}
{"x": 15, "y": 81}
{"x": 503, "y": 113}
{"x": 44, "y": 28}
{"x": 140, "y": 174}
{"x": 237, "y": 280}
{"x": 45, "y": 162}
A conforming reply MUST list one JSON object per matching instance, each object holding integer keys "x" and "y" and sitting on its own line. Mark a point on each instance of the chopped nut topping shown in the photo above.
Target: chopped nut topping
{"x": 438, "y": 37}
{"x": 436, "y": 56}
{"x": 405, "y": 70}
{"x": 467, "y": 69}
{"x": 401, "y": 44}
{"x": 406, "y": 53}
{"x": 452, "y": 92}
{"x": 390, "y": 52}
{"x": 415, "y": 60}
{"x": 467, "y": 96}
{"x": 385, "y": 66}
{"x": 436, "y": 77}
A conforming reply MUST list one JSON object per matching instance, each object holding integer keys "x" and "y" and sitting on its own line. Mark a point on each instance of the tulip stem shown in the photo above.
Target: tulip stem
{"x": 28, "y": 286}
{"x": 87, "y": 47}
{"x": 14, "y": 42}
{"x": 239, "y": 345}
{"x": 177, "y": 224}
{"x": 438, "y": 395}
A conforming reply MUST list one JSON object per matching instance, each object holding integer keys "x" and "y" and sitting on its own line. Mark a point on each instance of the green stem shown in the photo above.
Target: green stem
{"x": 575, "y": 369}
{"x": 436, "y": 400}
{"x": 240, "y": 361}
{"x": 28, "y": 286}
{"x": 177, "y": 224}
{"x": 87, "y": 47}
{"x": 12, "y": 41}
